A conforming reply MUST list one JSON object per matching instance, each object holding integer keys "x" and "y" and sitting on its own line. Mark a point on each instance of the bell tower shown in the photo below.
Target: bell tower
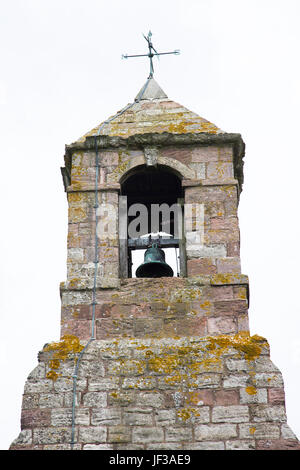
{"x": 165, "y": 359}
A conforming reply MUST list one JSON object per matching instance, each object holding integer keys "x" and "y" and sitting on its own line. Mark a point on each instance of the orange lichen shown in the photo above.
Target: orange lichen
{"x": 61, "y": 350}
{"x": 183, "y": 363}
{"x": 186, "y": 413}
{"x": 179, "y": 128}
{"x": 77, "y": 214}
{"x": 244, "y": 343}
{"x": 52, "y": 375}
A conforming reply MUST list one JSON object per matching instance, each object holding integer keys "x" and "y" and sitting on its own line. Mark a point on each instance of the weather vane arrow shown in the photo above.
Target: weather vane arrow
{"x": 152, "y": 52}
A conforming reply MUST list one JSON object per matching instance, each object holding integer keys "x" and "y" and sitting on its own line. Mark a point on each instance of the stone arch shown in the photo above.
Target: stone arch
{"x": 126, "y": 167}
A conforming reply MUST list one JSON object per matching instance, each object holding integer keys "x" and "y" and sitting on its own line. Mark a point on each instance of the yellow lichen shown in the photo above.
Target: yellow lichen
{"x": 186, "y": 413}
{"x": 61, "y": 350}
{"x": 77, "y": 214}
{"x": 182, "y": 364}
{"x": 178, "y": 128}
{"x": 52, "y": 375}
{"x": 244, "y": 343}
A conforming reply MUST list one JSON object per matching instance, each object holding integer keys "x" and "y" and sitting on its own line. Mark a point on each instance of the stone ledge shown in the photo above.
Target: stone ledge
{"x": 102, "y": 283}
{"x": 205, "y": 280}
{"x": 91, "y": 187}
{"x": 209, "y": 182}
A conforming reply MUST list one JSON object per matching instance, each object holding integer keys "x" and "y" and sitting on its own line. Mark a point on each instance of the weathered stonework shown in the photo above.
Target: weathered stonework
{"x": 217, "y": 392}
{"x": 165, "y": 363}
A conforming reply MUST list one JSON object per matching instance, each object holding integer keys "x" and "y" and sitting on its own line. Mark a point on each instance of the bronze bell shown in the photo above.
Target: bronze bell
{"x": 154, "y": 264}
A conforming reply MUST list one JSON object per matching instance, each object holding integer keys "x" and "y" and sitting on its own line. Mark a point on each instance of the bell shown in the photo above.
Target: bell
{"x": 154, "y": 264}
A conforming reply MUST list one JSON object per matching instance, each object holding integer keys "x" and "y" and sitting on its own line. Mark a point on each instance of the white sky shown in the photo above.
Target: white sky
{"x": 62, "y": 74}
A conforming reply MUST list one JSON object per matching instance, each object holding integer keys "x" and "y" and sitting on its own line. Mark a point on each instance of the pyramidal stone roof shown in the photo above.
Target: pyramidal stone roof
{"x": 152, "y": 112}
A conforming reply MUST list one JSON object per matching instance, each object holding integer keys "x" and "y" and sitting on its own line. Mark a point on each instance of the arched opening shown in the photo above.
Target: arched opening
{"x": 152, "y": 196}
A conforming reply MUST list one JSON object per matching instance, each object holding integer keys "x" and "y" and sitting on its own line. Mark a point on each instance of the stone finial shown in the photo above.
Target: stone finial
{"x": 152, "y": 91}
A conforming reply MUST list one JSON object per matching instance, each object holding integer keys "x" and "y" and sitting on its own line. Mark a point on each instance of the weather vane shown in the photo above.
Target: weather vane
{"x": 152, "y": 52}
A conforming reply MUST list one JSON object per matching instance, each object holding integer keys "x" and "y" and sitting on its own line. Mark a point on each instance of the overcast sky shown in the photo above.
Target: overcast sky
{"x": 62, "y": 74}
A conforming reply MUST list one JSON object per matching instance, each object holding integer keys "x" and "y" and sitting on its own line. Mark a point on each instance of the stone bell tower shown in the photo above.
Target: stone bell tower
{"x": 159, "y": 362}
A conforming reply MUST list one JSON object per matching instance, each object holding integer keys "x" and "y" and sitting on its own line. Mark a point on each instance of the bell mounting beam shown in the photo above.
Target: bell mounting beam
{"x": 152, "y": 52}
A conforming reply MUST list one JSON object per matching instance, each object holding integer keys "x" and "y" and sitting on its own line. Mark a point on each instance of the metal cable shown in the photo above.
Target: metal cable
{"x": 96, "y": 260}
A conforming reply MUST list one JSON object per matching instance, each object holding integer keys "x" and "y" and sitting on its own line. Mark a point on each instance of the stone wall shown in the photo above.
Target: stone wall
{"x": 139, "y": 308}
{"x": 215, "y": 393}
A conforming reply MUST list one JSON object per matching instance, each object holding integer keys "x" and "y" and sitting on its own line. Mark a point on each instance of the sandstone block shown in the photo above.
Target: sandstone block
{"x": 199, "y": 169}
{"x": 57, "y": 435}
{"x": 230, "y": 307}
{"x": 65, "y": 384}
{"x": 259, "y": 431}
{"x": 230, "y": 414}
{"x": 207, "y": 380}
{"x": 229, "y": 265}
{"x": 31, "y": 401}
{"x": 232, "y": 381}
{"x": 240, "y": 445}
{"x": 205, "y": 154}
{"x": 164, "y": 446}
{"x": 221, "y": 325}
{"x": 278, "y": 444}
{"x": 147, "y": 435}
{"x": 197, "y": 267}
{"x": 96, "y": 399}
{"x": 184, "y": 155}
{"x": 207, "y": 445}
{"x": 271, "y": 379}
{"x": 268, "y": 413}
{"x": 155, "y": 399}
{"x": 123, "y": 398}
{"x": 38, "y": 386}
{"x": 139, "y": 383}
{"x": 200, "y": 397}
{"x": 178, "y": 434}
{"x": 227, "y": 397}
{"x": 276, "y": 396}
{"x": 165, "y": 417}
{"x": 119, "y": 434}
{"x": 63, "y": 417}
{"x": 206, "y": 251}
{"x": 208, "y": 432}
{"x": 75, "y": 255}
{"x": 91, "y": 435}
{"x": 102, "y": 384}
{"x": 98, "y": 447}
{"x": 106, "y": 416}
{"x": 222, "y": 293}
{"x": 237, "y": 365}
{"x": 259, "y": 396}
{"x": 136, "y": 416}
{"x": 33, "y": 418}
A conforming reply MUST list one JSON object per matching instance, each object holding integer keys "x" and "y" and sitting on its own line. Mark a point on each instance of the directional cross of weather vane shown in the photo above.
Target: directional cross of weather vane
{"x": 152, "y": 52}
